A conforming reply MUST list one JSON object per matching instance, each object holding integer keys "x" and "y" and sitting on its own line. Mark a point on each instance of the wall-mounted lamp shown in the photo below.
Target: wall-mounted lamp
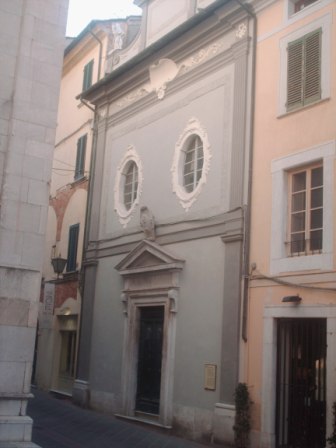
{"x": 292, "y": 299}
{"x": 58, "y": 264}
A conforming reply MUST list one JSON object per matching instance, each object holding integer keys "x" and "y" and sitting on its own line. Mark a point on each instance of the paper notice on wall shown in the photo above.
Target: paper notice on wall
{"x": 48, "y": 298}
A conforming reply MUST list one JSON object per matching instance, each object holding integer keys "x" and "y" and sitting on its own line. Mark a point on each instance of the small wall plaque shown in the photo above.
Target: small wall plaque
{"x": 210, "y": 373}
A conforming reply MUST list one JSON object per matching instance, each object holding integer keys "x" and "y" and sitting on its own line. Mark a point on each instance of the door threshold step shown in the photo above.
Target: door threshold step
{"x": 144, "y": 418}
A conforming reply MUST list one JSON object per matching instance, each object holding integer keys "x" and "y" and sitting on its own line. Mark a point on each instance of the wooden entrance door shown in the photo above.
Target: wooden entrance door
{"x": 149, "y": 359}
{"x": 301, "y": 383}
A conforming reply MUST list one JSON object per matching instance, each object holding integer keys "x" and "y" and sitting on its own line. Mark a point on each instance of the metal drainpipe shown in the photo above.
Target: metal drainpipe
{"x": 100, "y": 52}
{"x": 89, "y": 196}
{"x": 93, "y": 152}
{"x": 87, "y": 220}
{"x": 247, "y": 207}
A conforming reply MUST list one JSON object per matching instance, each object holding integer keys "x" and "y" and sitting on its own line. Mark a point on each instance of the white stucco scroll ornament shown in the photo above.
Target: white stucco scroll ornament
{"x": 193, "y": 127}
{"x": 241, "y": 30}
{"x": 125, "y": 215}
{"x": 160, "y": 74}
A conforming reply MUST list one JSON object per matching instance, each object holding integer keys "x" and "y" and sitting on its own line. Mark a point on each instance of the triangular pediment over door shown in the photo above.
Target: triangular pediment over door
{"x": 148, "y": 256}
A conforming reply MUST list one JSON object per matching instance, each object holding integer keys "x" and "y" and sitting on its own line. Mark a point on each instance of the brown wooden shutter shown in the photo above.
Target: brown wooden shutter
{"x": 294, "y": 74}
{"x": 312, "y": 68}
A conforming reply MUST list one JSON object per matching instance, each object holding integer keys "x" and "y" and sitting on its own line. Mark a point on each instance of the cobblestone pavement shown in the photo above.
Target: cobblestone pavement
{"x": 60, "y": 424}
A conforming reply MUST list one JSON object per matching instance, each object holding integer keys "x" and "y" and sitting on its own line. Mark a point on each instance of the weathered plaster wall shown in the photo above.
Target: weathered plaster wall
{"x": 32, "y": 42}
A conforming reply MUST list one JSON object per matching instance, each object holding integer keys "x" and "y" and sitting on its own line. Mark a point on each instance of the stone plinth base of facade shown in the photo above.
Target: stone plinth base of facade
{"x": 18, "y": 445}
{"x": 224, "y": 417}
{"x": 15, "y": 429}
{"x": 81, "y": 393}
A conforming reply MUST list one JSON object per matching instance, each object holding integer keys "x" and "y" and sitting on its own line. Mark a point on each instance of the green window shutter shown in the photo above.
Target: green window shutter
{"x": 295, "y": 74}
{"x": 312, "y": 68}
{"x": 87, "y": 77}
{"x": 304, "y": 70}
{"x": 72, "y": 248}
{"x": 80, "y": 158}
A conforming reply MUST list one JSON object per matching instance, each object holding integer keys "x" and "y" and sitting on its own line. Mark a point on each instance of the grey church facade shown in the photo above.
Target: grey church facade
{"x": 163, "y": 264}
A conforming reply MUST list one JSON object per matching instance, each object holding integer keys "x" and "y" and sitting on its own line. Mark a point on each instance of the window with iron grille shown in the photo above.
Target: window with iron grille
{"x": 131, "y": 184}
{"x": 80, "y": 157}
{"x": 193, "y": 163}
{"x": 72, "y": 248}
{"x": 304, "y": 70}
{"x": 306, "y": 210}
{"x": 87, "y": 76}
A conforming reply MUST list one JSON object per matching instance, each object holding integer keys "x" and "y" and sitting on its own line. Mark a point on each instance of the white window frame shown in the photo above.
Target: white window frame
{"x": 324, "y": 23}
{"x": 294, "y": 16}
{"x": 133, "y": 183}
{"x": 305, "y": 209}
{"x": 193, "y": 127}
{"x": 291, "y": 6}
{"x": 123, "y": 213}
{"x": 280, "y": 261}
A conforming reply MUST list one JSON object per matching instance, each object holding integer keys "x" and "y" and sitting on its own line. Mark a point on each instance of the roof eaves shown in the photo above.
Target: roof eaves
{"x": 87, "y": 30}
{"x": 184, "y": 27}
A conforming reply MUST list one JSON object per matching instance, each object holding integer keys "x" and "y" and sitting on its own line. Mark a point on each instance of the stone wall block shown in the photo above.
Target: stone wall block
{"x": 29, "y": 218}
{"x": 33, "y": 167}
{"x": 30, "y": 283}
{"x": 12, "y": 6}
{"x": 9, "y": 213}
{"x": 28, "y": 71}
{"x": 10, "y": 282}
{"x": 10, "y": 407}
{"x": 50, "y": 137}
{"x": 16, "y": 346}
{"x": 45, "y": 96}
{"x": 43, "y": 220}
{"x": 38, "y": 193}
{"x": 9, "y": 23}
{"x": 10, "y": 248}
{"x": 14, "y": 164}
{"x": 12, "y": 376}
{"x": 47, "y": 32}
{"x": 7, "y": 84}
{"x": 14, "y": 312}
{"x": 12, "y": 189}
{"x": 28, "y": 372}
{"x": 3, "y": 128}
{"x": 15, "y": 429}
{"x": 24, "y": 87}
{"x": 38, "y": 148}
{"x": 8, "y": 44}
{"x": 33, "y": 313}
{"x": 28, "y": 130}
{"x": 28, "y": 111}
{"x": 32, "y": 250}
{"x": 44, "y": 53}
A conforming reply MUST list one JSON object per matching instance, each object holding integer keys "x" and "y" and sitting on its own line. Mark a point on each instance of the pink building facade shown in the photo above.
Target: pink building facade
{"x": 290, "y": 359}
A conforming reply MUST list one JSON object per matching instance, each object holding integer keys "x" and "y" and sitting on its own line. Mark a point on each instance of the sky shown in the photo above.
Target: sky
{"x": 81, "y": 12}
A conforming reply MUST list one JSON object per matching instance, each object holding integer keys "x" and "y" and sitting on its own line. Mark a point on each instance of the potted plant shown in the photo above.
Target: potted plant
{"x": 242, "y": 423}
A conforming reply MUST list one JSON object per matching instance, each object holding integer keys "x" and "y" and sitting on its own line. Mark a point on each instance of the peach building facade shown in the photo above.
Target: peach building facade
{"x": 87, "y": 58}
{"x": 290, "y": 359}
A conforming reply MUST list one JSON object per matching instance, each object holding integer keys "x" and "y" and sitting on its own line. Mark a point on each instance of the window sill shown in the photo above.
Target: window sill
{"x": 70, "y": 275}
{"x": 318, "y": 262}
{"x": 303, "y": 108}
